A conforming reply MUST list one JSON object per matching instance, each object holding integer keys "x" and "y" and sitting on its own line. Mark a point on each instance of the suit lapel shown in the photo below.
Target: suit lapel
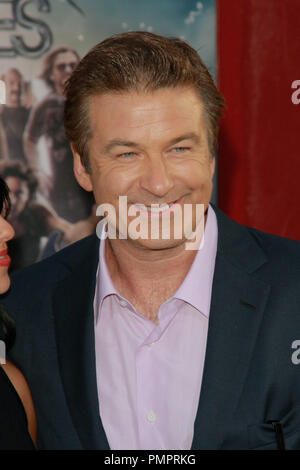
{"x": 74, "y": 321}
{"x": 237, "y": 306}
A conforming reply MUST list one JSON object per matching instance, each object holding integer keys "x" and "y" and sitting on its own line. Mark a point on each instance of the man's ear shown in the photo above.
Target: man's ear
{"x": 82, "y": 176}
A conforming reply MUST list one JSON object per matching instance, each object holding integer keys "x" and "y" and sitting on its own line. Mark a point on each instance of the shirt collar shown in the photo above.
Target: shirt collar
{"x": 197, "y": 285}
{"x": 104, "y": 284}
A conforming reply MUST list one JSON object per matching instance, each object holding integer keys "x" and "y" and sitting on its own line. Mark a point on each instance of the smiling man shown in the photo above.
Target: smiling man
{"x": 153, "y": 148}
{"x": 136, "y": 342}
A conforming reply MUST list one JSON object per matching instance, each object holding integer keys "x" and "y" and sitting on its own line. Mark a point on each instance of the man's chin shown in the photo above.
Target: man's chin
{"x": 156, "y": 244}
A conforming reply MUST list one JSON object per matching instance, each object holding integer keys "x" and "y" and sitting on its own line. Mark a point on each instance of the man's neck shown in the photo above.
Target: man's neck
{"x": 147, "y": 278}
{"x": 128, "y": 260}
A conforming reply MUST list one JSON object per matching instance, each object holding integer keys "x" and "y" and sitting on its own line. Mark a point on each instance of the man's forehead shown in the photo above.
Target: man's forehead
{"x": 144, "y": 93}
{"x": 117, "y": 117}
{"x": 173, "y": 98}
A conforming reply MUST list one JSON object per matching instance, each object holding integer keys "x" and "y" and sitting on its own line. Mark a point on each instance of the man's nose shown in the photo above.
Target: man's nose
{"x": 6, "y": 230}
{"x": 157, "y": 178}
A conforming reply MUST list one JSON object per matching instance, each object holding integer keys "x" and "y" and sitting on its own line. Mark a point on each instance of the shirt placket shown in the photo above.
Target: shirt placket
{"x": 150, "y": 384}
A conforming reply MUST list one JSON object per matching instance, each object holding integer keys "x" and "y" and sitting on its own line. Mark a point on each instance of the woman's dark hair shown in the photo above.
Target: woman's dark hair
{"x": 7, "y": 328}
{"x": 4, "y": 198}
{"x": 7, "y": 324}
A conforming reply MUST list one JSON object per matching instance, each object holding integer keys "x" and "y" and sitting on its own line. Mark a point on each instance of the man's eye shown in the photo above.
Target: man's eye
{"x": 127, "y": 154}
{"x": 180, "y": 149}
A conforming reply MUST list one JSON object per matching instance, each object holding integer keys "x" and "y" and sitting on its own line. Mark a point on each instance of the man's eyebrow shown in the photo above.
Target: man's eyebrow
{"x": 127, "y": 143}
{"x": 118, "y": 143}
{"x": 189, "y": 136}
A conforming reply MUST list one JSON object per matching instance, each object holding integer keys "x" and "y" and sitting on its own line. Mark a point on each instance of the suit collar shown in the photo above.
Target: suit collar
{"x": 238, "y": 244}
{"x": 74, "y": 322}
{"x": 238, "y": 301}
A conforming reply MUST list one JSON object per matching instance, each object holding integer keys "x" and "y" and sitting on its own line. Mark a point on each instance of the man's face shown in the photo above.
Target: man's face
{"x": 150, "y": 147}
{"x": 19, "y": 196}
{"x": 13, "y": 83}
{"x": 63, "y": 66}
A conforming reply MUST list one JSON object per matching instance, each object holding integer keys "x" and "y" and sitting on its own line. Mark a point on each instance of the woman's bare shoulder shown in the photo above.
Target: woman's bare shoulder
{"x": 21, "y": 386}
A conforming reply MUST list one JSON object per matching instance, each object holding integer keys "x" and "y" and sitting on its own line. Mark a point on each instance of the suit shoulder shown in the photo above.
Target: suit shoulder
{"x": 283, "y": 254}
{"x": 276, "y": 244}
{"x": 56, "y": 267}
{"x": 251, "y": 249}
{"x": 233, "y": 234}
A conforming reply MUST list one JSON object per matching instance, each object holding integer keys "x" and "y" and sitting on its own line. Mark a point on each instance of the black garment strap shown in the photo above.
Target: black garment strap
{"x": 279, "y": 434}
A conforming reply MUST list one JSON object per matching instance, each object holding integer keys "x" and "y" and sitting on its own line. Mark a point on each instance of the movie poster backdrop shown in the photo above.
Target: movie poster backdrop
{"x": 41, "y": 42}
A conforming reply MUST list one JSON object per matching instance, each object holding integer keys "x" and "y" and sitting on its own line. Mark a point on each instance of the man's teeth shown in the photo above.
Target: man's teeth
{"x": 155, "y": 207}
{"x": 158, "y": 209}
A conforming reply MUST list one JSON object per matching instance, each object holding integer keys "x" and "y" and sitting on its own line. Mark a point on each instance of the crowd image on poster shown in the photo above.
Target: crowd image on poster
{"x": 38, "y": 52}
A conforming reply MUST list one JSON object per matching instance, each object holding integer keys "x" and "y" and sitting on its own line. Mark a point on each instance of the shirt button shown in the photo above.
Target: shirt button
{"x": 150, "y": 345}
{"x": 151, "y": 417}
{"x": 123, "y": 303}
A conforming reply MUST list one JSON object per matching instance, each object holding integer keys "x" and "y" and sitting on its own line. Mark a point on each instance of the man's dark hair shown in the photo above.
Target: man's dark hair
{"x": 137, "y": 61}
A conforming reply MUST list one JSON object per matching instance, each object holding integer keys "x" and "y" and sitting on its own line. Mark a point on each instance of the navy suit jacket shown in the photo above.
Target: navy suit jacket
{"x": 249, "y": 376}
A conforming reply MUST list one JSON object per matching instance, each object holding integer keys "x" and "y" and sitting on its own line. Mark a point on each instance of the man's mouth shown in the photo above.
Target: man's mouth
{"x": 156, "y": 208}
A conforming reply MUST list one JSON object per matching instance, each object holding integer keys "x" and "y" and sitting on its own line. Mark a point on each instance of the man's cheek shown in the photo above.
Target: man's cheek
{"x": 108, "y": 193}
{"x": 197, "y": 180}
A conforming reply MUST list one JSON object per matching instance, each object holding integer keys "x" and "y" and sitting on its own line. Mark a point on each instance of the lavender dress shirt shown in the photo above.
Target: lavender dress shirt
{"x": 149, "y": 376}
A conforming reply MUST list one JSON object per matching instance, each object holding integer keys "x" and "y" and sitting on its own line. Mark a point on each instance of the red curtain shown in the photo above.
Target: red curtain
{"x": 259, "y": 153}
